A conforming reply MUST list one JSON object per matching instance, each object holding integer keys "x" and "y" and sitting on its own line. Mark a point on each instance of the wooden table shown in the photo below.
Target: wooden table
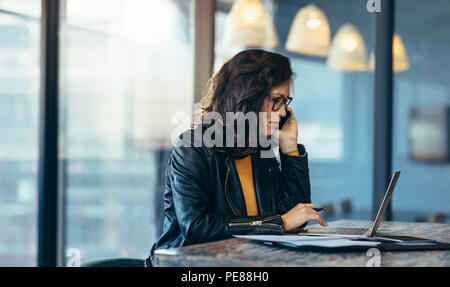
{"x": 248, "y": 253}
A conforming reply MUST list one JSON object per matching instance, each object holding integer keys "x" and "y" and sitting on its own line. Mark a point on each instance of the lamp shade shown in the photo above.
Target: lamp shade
{"x": 248, "y": 24}
{"x": 309, "y": 33}
{"x": 400, "y": 60}
{"x": 348, "y": 51}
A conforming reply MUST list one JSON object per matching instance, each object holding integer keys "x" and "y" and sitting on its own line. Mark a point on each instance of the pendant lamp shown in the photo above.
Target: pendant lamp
{"x": 348, "y": 51}
{"x": 309, "y": 33}
{"x": 400, "y": 60}
{"x": 248, "y": 24}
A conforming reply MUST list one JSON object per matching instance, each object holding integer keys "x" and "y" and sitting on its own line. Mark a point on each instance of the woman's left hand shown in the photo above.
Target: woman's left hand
{"x": 289, "y": 133}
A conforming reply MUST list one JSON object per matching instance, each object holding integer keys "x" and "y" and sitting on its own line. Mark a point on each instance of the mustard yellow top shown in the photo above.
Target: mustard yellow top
{"x": 244, "y": 169}
{"x": 245, "y": 172}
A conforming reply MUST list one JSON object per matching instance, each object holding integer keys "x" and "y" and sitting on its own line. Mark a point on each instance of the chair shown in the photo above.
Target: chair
{"x": 346, "y": 206}
{"x": 115, "y": 262}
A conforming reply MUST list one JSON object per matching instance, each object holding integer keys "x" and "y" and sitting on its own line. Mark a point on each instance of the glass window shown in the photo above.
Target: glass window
{"x": 25, "y": 7}
{"x": 19, "y": 133}
{"x": 421, "y": 111}
{"x": 332, "y": 104}
{"x": 99, "y": 15}
{"x": 126, "y": 76}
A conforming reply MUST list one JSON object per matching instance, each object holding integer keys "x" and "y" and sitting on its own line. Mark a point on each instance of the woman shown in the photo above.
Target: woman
{"x": 214, "y": 192}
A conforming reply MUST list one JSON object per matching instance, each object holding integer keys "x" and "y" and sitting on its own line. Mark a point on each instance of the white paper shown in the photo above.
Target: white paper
{"x": 332, "y": 243}
{"x": 314, "y": 241}
{"x": 387, "y": 239}
{"x": 289, "y": 238}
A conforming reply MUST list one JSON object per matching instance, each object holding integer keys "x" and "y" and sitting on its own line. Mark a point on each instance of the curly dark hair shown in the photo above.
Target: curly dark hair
{"x": 242, "y": 84}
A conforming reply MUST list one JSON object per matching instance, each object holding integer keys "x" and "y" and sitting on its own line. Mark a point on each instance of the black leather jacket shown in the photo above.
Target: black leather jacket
{"x": 204, "y": 201}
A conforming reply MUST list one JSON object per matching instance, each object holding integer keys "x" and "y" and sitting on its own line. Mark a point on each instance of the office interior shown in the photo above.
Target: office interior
{"x": 127, "y": 73}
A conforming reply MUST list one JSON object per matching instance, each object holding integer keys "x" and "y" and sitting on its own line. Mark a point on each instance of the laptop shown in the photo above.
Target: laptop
{"x": 363, "y": 232}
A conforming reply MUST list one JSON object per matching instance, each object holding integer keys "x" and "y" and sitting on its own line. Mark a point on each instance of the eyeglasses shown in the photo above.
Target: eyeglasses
{"x": 278, "y": 102}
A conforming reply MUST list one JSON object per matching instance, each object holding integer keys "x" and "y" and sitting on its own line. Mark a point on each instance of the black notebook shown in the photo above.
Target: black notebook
{"x": 386, "y": 243}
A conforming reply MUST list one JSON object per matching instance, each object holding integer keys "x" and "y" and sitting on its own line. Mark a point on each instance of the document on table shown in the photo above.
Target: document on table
{"x": 313, "y": 241}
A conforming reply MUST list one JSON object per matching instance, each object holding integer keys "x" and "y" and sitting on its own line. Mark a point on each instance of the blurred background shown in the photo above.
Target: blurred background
{"x": 126, "y": 67}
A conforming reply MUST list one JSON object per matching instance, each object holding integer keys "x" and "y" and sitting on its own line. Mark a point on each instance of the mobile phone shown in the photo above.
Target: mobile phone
{"x": 284, "y": 119}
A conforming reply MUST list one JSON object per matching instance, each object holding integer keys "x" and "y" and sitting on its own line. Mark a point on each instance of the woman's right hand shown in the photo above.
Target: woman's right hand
{"x": 300, "y": 214}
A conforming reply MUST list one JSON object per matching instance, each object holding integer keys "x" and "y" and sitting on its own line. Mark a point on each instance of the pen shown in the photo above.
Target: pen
{"x": 318, "y": 209}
